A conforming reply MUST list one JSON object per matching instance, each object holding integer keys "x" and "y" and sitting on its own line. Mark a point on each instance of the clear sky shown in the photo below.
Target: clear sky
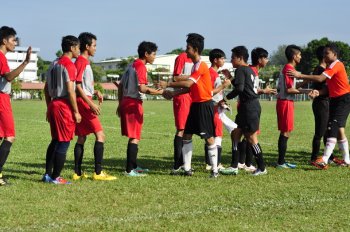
{"x": 121, "y": 25}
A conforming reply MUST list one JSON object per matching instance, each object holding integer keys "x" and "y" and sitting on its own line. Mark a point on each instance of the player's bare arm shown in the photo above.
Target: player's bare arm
{"x": 10, "y": 76}
{"x": 73, "y": 101}
{"x": 299, "y": 75}
{"x": 80, "y": 92}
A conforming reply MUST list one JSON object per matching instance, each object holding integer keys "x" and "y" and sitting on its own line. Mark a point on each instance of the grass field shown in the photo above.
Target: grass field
{"x": 304, "y": 199}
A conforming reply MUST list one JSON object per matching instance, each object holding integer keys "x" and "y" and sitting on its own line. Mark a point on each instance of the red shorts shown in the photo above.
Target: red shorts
{"x": 181, "y": 108}
{"x": 131, "y": 117}
{"x": 89, "y": 121}
{"x": 218, "y": 123}
{"x": 7, "y": 124}
{"x": 285, "y": 115}
{"x": 62, "y": 123}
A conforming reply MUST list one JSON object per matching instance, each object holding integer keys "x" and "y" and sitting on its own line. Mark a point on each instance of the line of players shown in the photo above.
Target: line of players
{"x": 199, "y": 106}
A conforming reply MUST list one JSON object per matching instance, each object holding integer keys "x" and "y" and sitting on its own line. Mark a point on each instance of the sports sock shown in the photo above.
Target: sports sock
{"x": 131, "y": 156}
{"x": 249, "y": 155}
{"x": 282, "y": 148}
{"x": 219, "y": 154}
{"x": 328, "y": 150}
{"x": 178, "y": 160}
{"x": 49, "y": 157}
{"x": 206, "y": 154}
{"x": 242, "y": 151}
{"x": 98, "y": 154}
{"x": 78, "y": 158}
{"x": 344, "y": 148}
{"x": 257, "y": 151}
{"x": 235, "y": 154}
{"x": 59, "y": 160}
{"x": 5, "y": 148}
{"x": 316, "y": 143}
{"x": 187, "y": 154}
{"x": 213, "y": 153}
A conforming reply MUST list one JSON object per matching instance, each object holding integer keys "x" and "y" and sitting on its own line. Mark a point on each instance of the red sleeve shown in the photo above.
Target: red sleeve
{"x": 141, "y": 72}
{"x": 179, "y": 65}
{"x": 289, "y": 79}
{"x": 213, "y": 76}
{"x": 72, "y": 72}
{"x": 4, "y": 67}
{"x": 80, "y": 66}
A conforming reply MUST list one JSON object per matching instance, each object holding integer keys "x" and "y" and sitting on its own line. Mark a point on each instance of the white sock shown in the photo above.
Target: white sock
{"x": 344, "y": 149}
{"x": 213, "y": 157}
{"x": 218, "y": 141}
{"x": 187, "y": 154}
{"x": 328, "y": 150}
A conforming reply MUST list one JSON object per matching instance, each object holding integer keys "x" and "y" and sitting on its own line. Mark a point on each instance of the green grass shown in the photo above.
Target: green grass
{"x": 304, "y": 199}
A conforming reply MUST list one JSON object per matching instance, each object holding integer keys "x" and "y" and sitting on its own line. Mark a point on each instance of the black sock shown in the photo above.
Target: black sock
{"x": 219, "y": 154}
{"x": 316, "y": 143}
{"x": 235, "y": 155}
{"x": 249, "y": 155}
{"x": 98, "y": 153}
{"x": 131, "y": 156}
{"x": 282, "y": 148}
{"x": 5, "y": 148}
{"x": 59, "y": 160}
{"x": 206, "y": 155}
{"x": 242, "y": 151}
{"x": 78, "y": 158}
{"x": 49, "y": 157}
{"x": 257, "y": 151}
{"x": 178, "y": 160}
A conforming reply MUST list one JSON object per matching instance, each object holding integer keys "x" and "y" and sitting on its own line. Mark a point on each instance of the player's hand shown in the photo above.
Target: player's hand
{"x": 269, "y": 90}
{"x": 29, "y": 52}
{"x": 314, "y": 93}
{"x": 294, "y": 73}
{"x": 95, "y": 109}
{"x": 99, "y": 97}
{"x": 167, "y": 94}
{"x": 226, "y": 73}
{"x": 47, "y": 117}
{"x": 163, "y": 84}
{"x": 77, "y": 117}
{"x": 226, "y": 83}
{"x": 117, "y": 112}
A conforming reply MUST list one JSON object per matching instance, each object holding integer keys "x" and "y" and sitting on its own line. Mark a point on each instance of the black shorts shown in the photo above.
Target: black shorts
{"x": 339, "y": 109}
{"x": 200, "y": 120}
{"x": 248, "y": 116}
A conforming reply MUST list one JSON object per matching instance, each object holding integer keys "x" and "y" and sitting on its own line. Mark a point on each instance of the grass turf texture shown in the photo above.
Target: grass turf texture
{"x": 304, "y": 199}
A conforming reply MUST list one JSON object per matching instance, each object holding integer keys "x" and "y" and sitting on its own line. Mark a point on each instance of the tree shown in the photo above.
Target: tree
{"x": 278, "y": 57}
{"x": 205, "y": 52}
{"x": 42, "y": 66}
{"x": 97, "y": 72}
{"x": 59, "y": 53}
{"x": 176, "y": 51}
{"x": 16, "y": 86}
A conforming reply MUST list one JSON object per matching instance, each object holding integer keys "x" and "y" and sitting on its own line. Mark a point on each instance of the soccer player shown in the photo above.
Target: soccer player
{"x": 200, "y": 120}
{"x": 285, "y": 104}
{"x": 217, "y": 60}
{"x": 130, "y": 111}
{"x": 62, "y": 109}
{"x": 260, "y": 59}
{"x": 339, "y": 106}
{"x": 246, "y": 85}
{"x": 88, "y": 110}
{"x": 181, "y": 108}
{"x": 8, "y": 43}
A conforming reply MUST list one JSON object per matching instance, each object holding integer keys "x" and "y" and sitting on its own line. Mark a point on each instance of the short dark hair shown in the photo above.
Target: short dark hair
{"x": 146, "y": 46}
{"x": 6, "y": 32}
{"x": 196, "y": 41}
{"x": 258, "y": 53}
{"x": 320, "y": 52}
{"x": 215, "y": 54}
{"x": 69, "y": 41}
{"x": 85, "y": 38}
{"x": 291, "y": 50}
{"x": 334, "y": 48}
{"x": 240, "y": 51}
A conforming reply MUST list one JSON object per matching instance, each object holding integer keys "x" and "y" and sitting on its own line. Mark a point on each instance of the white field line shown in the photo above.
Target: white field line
{"x": 95, "y": 221}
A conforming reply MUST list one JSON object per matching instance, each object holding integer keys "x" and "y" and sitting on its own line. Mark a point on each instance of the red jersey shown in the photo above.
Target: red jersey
{"x": 5, "y": 86}
{"x": 202, "y": 89}
{"x": 183, "y": 65}
{"x": 337, "y": 79}
{"x": 141, "y": 71}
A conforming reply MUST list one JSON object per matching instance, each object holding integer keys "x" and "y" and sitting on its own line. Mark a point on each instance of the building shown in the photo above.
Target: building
{"x": 16, "y": 58}
{"x": 161, "y": 61}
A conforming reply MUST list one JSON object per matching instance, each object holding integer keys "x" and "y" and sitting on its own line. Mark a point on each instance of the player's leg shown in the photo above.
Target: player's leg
{"x": 78, "y": 155}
